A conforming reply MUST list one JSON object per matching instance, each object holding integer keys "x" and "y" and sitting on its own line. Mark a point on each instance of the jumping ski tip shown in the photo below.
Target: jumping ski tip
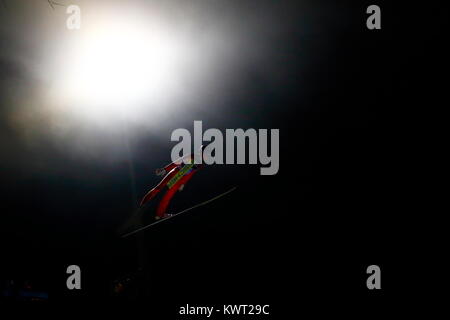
{"x": 183, "y": 211}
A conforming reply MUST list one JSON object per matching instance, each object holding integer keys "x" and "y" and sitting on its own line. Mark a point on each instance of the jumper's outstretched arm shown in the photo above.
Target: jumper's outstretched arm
{"x": 170, "y": 166}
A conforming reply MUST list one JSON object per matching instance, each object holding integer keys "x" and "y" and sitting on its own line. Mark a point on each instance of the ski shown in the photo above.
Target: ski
{"x": 176, "y": 214}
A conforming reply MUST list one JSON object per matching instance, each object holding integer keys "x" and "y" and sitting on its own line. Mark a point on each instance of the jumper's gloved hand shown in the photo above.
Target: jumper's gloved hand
{"x": 160, "y": 172}
{"x": 181, "y": 187}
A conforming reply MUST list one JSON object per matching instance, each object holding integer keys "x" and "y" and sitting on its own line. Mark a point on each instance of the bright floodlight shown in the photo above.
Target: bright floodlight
{"x": 117, "y": 67}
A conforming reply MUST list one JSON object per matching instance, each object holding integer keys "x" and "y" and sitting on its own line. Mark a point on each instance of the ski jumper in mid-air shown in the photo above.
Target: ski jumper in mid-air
{"x": 177, "y": 174}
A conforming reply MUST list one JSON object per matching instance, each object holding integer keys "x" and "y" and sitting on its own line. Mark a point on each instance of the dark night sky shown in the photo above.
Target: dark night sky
{"x": 346, "y": 102}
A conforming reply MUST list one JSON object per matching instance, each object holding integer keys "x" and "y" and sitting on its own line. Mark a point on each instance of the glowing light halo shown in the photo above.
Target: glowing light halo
{"x": 115, "y": 69}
